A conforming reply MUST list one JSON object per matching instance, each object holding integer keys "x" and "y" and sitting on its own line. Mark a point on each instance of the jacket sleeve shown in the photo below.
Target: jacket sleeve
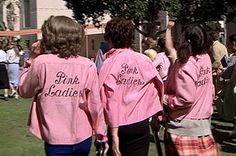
{"x": 107, "y": 85}
{"x": 29, "y": 83}
{"x": 185, "y": 91}
{"x": 94, "y": 103}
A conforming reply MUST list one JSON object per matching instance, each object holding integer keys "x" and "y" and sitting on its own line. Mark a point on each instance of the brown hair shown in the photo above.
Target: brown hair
{"x": 120, "y": 32}
{"x": 150, "y": 43}
{"x": 63, "y": 36}
{"x": 12, "y": 45}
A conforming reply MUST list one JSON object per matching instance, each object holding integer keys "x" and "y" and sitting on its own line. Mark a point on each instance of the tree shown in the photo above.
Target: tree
{"x": 1, "y": 1}
{"x": 202, "y": 11}
{"x": 145, "y": 12}
{"x": 140, "y": 11}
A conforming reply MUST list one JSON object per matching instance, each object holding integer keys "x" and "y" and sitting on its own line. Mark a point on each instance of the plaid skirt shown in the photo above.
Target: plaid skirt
{"x": 176, "y": 145}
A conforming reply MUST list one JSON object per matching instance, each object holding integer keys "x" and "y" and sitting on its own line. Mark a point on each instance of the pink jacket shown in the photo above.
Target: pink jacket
{"x": 131, "y": 88}
{"x": 189, "y": 89}
{"x": 66, "y": 106}
{"x": 162, "y": 63}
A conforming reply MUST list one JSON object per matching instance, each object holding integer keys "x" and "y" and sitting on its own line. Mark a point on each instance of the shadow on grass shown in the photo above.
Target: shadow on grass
{"x": 2, "y": 98}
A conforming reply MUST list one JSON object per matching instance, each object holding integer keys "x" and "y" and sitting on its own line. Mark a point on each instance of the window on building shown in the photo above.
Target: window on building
{"x": 27, "y": 13}
{"x": 93, "y": 46}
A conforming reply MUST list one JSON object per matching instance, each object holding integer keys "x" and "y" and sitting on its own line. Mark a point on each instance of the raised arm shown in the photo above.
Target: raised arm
{"x": 169, "y": 42}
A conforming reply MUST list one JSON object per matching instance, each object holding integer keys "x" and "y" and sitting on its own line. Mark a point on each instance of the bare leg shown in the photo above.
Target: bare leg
{"x": 5, "y": 94}
{"x": 13, "y": 90}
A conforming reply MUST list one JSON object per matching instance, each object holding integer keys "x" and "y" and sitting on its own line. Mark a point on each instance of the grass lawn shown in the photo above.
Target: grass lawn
{"x": 15, "y": 139}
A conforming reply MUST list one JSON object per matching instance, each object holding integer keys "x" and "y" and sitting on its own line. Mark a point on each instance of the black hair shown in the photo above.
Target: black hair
{"x": 232, "y": 38}
{"x": 194, "y": 42}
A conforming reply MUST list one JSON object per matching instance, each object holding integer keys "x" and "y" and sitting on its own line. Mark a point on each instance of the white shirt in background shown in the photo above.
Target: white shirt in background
{"x": 12, "y": 57}
{"x": 3, "y": 56}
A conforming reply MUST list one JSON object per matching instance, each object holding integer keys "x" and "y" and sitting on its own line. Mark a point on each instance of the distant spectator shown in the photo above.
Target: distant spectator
{"x": 229, "y": 98}
{"x": 218, "y": 51}
{"x": 161, "y": 61}
{"x": 151, "y": 47}
{"x": 13, "y": 60}
{"x": 4, "y": 80}
{"x": 104, "y": 48}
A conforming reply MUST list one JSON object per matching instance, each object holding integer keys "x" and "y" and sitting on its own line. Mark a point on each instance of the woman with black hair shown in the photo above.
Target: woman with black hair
{"x": 189, "y": 95}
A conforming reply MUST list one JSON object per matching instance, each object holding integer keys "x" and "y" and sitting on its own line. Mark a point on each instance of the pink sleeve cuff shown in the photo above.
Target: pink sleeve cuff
{"x": 101, "y": 138}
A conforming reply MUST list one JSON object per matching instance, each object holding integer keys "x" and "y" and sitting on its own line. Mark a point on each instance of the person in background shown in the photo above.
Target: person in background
{"x": 229, "y": 101}
{"x": 24, "y": 54}
{"x": 161, "y": 61}
{"x": 189, "y": 95}
{"x": 4, "y": 80}
{"x": 13, "y": 67}
{"x": 66, "y": 109}
{"x": 150, "y": 46}
{"x": 104, "y": 48}
{"x": 232, "y": 91}
{"x": 131, "y": 91}
{"x": 232, "y": 45}
{"x": 218, "y": 51}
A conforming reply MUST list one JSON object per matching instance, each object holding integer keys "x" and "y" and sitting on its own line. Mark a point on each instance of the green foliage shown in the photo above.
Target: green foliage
{"x": 4, "y": 40}
{"x": 145, "y": 12}
{"x": 186, "y": 11}
{"x": 136, "y": 10}
{"x": 2, "y": 26}
{"x": 1, "y": 1}
{"x": 173, "y": 7}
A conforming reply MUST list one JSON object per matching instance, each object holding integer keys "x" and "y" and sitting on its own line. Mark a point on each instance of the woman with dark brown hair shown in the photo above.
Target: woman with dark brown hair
{"x": 189, "y": 93}
{"x": 66, "y": 109}
{"x": 131, "y": 91}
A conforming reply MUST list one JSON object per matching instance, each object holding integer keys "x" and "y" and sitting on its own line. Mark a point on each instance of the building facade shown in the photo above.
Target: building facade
{"x": 31, "y": 14}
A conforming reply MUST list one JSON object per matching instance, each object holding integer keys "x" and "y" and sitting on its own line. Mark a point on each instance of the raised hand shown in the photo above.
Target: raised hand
{"x": 170, "y": 24}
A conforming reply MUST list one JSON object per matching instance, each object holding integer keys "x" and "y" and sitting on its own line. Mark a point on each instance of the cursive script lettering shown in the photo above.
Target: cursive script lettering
{"x": 128, "y": 81}
{"x": 125, "y": 69}
{"x": 203, "y": 76}
{"x": 129, "y": 76}
{"x": 67, "y": 92}
{"x": 62, "y": 78}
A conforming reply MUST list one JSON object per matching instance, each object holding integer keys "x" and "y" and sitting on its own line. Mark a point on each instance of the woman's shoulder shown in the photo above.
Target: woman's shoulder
{"x": 194, "y": 63}
{"x": 50, "y": 58}
{"x": 139, "y": 57}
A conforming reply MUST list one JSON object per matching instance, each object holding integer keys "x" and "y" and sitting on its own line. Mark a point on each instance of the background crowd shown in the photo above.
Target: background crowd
{"x": 12, "y": 57}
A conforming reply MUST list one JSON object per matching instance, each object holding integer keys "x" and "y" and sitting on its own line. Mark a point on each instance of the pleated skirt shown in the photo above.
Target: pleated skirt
{"x": 4, "y": 80}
